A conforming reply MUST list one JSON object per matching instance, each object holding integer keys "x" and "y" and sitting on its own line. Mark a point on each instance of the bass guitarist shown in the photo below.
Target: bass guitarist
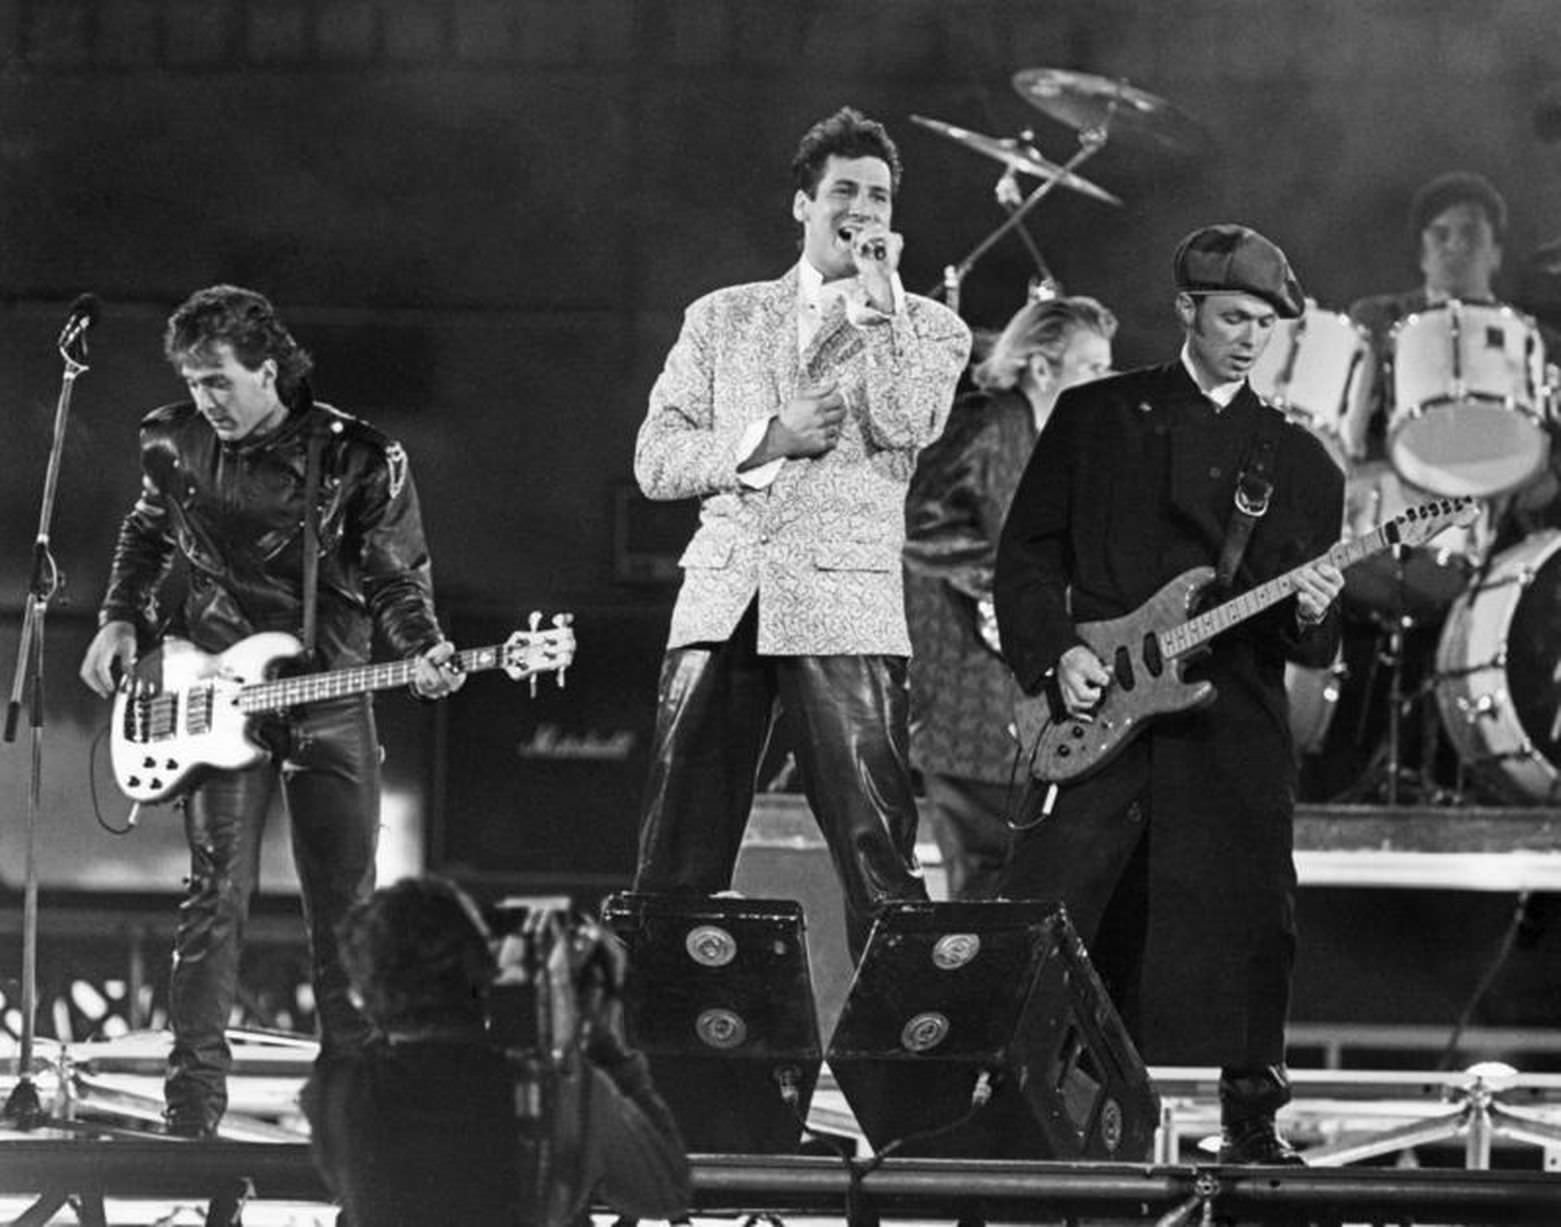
{"x": 1174, "y": 858}
{"x": 226, "y": 478}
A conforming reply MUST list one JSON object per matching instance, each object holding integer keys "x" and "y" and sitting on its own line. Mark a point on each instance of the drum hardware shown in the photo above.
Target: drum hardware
{"x": 1386, "y": 776}
{"x": 1017, "y": 155}
{"x": 1096, "y": 108}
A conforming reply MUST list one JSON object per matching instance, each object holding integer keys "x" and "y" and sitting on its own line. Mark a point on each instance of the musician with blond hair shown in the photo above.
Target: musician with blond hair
{"x": 962, "y": 694}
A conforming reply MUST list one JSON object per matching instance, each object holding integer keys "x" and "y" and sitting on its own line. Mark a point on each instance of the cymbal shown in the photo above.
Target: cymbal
{"x": 1085, "y": 101}
{"x": 1017, "y": 155}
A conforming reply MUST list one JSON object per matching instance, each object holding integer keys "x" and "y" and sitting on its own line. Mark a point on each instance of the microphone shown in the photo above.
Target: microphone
{"x": 83, "y": 314}
{"x": 873, "y": 249}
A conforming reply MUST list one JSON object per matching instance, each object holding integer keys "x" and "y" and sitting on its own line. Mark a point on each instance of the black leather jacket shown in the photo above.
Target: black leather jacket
{"x": 235, "y": 513}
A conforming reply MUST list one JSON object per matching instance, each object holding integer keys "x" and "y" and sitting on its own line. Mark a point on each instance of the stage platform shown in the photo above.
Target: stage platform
{"x": 1466, "y": 1147}
{"x": 77, "y": 1179}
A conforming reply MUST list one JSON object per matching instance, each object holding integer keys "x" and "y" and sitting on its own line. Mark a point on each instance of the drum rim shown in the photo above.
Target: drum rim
{"x": 1482, "y": 304}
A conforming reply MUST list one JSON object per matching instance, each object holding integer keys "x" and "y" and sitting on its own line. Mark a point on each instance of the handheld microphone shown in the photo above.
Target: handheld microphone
{"x": 83, "y": 314}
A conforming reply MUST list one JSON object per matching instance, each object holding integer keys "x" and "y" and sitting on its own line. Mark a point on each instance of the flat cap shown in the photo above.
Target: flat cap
{"x": 1232, "y": 259}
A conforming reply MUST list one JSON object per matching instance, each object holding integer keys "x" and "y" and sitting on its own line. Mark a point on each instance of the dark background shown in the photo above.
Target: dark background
{"x": 484, "y": 218}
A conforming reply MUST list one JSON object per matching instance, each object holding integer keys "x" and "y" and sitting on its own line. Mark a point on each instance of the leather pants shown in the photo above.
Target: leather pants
{"x": 327, "y": 758}
{"x": 717, "y": 706}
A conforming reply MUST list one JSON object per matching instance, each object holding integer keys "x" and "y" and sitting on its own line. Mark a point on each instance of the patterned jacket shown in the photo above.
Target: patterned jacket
{"x": 962, "y": 694}
{"x": 820, "y": 546}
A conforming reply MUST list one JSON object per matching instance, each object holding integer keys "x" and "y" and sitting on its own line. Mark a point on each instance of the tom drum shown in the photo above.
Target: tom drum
{"x": 1469, "y": 399}
{"x": 1319, "y": 370}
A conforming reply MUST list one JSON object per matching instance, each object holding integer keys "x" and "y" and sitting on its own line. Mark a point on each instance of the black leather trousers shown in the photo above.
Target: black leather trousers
{"x": 717, "y": 706}
{"x": 327, "y": 758}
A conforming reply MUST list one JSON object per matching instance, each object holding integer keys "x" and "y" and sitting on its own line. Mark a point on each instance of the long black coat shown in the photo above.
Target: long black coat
{"x": 1131, "y": 484}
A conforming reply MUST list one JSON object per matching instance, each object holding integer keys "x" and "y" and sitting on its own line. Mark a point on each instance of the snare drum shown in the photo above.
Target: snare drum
{"x": 1319, "y": 370}
{"x": 1497, "y": 667}
{"x": 1468, "y": 399}
{"x": 1415, "y": 584}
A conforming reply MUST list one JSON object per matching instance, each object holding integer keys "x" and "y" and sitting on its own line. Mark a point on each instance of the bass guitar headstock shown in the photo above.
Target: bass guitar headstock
{"x": 535, "y": 651}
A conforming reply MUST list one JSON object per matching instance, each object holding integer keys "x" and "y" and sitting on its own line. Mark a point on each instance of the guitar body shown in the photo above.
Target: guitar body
{"x": 1144, "y": 684}
{"x": 192, "y": 719}
{"x": 1146, "y": 650}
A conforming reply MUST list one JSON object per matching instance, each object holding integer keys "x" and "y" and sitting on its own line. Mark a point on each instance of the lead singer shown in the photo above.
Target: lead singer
{"x": 794, "y": 410}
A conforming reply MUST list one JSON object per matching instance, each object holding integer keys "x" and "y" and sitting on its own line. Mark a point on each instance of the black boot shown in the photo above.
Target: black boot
{"x": 1248, "y": 1101}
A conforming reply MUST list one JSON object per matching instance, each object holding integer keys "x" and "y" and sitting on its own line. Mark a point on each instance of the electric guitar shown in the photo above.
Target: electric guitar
{"x": 185, "y": 711}
{"x": 1147, "y": 650}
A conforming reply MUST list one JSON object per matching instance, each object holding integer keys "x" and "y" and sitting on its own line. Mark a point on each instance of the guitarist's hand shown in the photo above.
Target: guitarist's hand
{"x": 113, "y": 649}
{"x": 434, "y": 675}
{"x": 1316, "y": 587}
{"x": 1082, "y": 679}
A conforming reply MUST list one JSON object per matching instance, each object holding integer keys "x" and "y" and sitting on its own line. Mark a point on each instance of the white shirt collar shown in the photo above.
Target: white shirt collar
{"x": 1221, "y": 393}
{"x": 811, "y": 290}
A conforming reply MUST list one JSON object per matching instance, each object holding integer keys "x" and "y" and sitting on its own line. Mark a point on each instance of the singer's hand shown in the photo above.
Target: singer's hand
{"x": 875, "y": 249}
{"x": 810, "y": 424}
{"x": 114, "y": 646}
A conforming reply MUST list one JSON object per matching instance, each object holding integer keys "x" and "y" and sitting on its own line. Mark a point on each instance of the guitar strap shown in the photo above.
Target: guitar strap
{"x": 1254, "y": 491}
{"x": 312, "y": 465}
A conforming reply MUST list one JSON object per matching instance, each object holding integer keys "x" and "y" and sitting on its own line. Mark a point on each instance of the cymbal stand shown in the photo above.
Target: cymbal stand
{"x": 1044, "y": 286}
{"x": 1091, "y": 142}
{"x": 22, "y": 1106}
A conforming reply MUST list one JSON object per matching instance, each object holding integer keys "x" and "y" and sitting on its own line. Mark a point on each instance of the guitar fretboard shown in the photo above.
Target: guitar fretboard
{"x": 311, "y": 687}
{"x": 1195, "y": 632}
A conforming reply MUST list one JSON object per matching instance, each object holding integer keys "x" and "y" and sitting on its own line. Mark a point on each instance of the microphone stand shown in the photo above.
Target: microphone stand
{"x": 23, "y": 1107}
{"x": 1091, "y": 141}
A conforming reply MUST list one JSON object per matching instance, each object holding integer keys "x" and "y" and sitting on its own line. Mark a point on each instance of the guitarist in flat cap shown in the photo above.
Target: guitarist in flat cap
{"x": 1174, "y": 856}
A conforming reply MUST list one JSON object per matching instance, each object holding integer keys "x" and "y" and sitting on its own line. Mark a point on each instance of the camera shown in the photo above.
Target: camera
{"x": 558, "y": 972}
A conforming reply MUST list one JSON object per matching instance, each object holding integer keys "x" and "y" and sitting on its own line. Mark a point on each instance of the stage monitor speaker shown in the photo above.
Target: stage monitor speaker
{"x": 719, "y": 1000}
{"x": 980, "y": 1030}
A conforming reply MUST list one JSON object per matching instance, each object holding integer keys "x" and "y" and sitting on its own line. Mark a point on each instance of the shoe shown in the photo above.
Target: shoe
{"x": 183, "y": 1125}
{"x": 1257, "y": 1142}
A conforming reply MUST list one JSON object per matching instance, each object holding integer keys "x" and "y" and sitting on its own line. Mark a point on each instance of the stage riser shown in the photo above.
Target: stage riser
{"x": 922, "y": 1189}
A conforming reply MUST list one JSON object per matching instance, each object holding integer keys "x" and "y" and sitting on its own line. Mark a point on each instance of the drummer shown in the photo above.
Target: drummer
{"x": 1458, "y": 221}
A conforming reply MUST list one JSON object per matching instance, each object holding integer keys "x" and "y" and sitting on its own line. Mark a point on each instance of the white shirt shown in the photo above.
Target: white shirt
{"x": 815, "y": 297}
{"x": 1221, "y": 393}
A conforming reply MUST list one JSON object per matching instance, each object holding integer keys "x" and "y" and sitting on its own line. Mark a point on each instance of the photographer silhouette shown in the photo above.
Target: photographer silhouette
{"x": 499, "y": 1088}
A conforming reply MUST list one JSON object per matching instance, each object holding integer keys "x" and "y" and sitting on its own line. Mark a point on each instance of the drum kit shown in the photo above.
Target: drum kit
{"x": 1469, "y": 404}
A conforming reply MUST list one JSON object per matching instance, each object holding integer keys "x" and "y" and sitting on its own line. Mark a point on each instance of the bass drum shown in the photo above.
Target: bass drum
{"x": 1497, "y": 667}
